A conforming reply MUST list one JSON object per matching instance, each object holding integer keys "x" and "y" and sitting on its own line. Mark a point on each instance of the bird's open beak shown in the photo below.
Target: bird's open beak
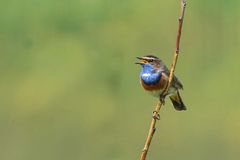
{"x": 142, "y": 61}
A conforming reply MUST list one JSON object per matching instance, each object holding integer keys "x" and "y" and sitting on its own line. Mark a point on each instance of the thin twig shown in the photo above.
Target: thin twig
{"x": 151, "y": 131}
{"x": 175, "y": 57}
{"x": 159, "y": 104}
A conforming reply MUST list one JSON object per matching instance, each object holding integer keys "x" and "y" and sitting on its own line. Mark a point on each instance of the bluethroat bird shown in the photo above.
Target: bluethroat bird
{"x": 154, "y": 79}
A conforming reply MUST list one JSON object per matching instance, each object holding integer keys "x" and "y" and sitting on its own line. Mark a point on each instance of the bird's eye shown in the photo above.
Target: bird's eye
{"x": 150, "y": 60}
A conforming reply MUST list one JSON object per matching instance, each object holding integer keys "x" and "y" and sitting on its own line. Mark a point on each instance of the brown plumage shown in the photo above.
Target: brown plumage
{"x": 154, "y": 79}
{"x": 177, "y": 102}
{"x": 162, "y": 83}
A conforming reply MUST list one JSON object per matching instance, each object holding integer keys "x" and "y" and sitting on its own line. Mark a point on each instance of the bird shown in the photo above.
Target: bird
{"x": 154, "y": 79}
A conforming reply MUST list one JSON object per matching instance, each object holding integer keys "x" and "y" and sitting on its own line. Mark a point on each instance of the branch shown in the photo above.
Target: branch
{"x": 175, "y": 57}
{"x": 159, "y": 104}
{"x": 151, "y": 131}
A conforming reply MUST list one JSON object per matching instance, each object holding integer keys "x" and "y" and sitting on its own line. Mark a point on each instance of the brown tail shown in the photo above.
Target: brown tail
{"x": 177, "y": 102}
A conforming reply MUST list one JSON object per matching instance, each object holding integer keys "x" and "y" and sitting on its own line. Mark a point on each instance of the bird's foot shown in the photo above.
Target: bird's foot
{"x": 156, "y": 116}
{"x": 162, "y": 99}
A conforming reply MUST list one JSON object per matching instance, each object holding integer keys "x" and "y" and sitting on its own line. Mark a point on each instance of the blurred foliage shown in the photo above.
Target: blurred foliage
{"x": 70, "y": 89}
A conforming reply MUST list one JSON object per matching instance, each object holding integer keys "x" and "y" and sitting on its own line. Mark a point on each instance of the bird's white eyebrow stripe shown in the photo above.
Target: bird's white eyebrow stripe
{"x": 148, "y": 58}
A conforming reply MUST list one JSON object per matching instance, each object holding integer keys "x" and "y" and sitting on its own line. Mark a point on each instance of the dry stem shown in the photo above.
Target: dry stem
{"x": 159, "y": 104}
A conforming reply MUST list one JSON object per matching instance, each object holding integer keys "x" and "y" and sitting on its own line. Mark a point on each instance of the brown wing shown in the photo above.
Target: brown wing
{"x": 176, "y": 83}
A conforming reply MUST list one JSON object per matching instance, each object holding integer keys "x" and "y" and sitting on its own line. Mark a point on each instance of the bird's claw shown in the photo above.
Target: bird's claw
{"x": 156, "y": 116}
{"x": 162, "y": 99}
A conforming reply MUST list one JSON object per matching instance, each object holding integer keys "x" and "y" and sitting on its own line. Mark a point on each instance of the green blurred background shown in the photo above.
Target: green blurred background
{"x": 70, "y": 89}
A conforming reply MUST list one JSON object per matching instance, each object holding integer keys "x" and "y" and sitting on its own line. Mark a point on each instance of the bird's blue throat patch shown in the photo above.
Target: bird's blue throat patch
{"x": 148, "y": 75}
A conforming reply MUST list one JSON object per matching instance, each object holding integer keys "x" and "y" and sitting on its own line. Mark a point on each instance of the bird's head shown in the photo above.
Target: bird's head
{"x": 148, "y": 61}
